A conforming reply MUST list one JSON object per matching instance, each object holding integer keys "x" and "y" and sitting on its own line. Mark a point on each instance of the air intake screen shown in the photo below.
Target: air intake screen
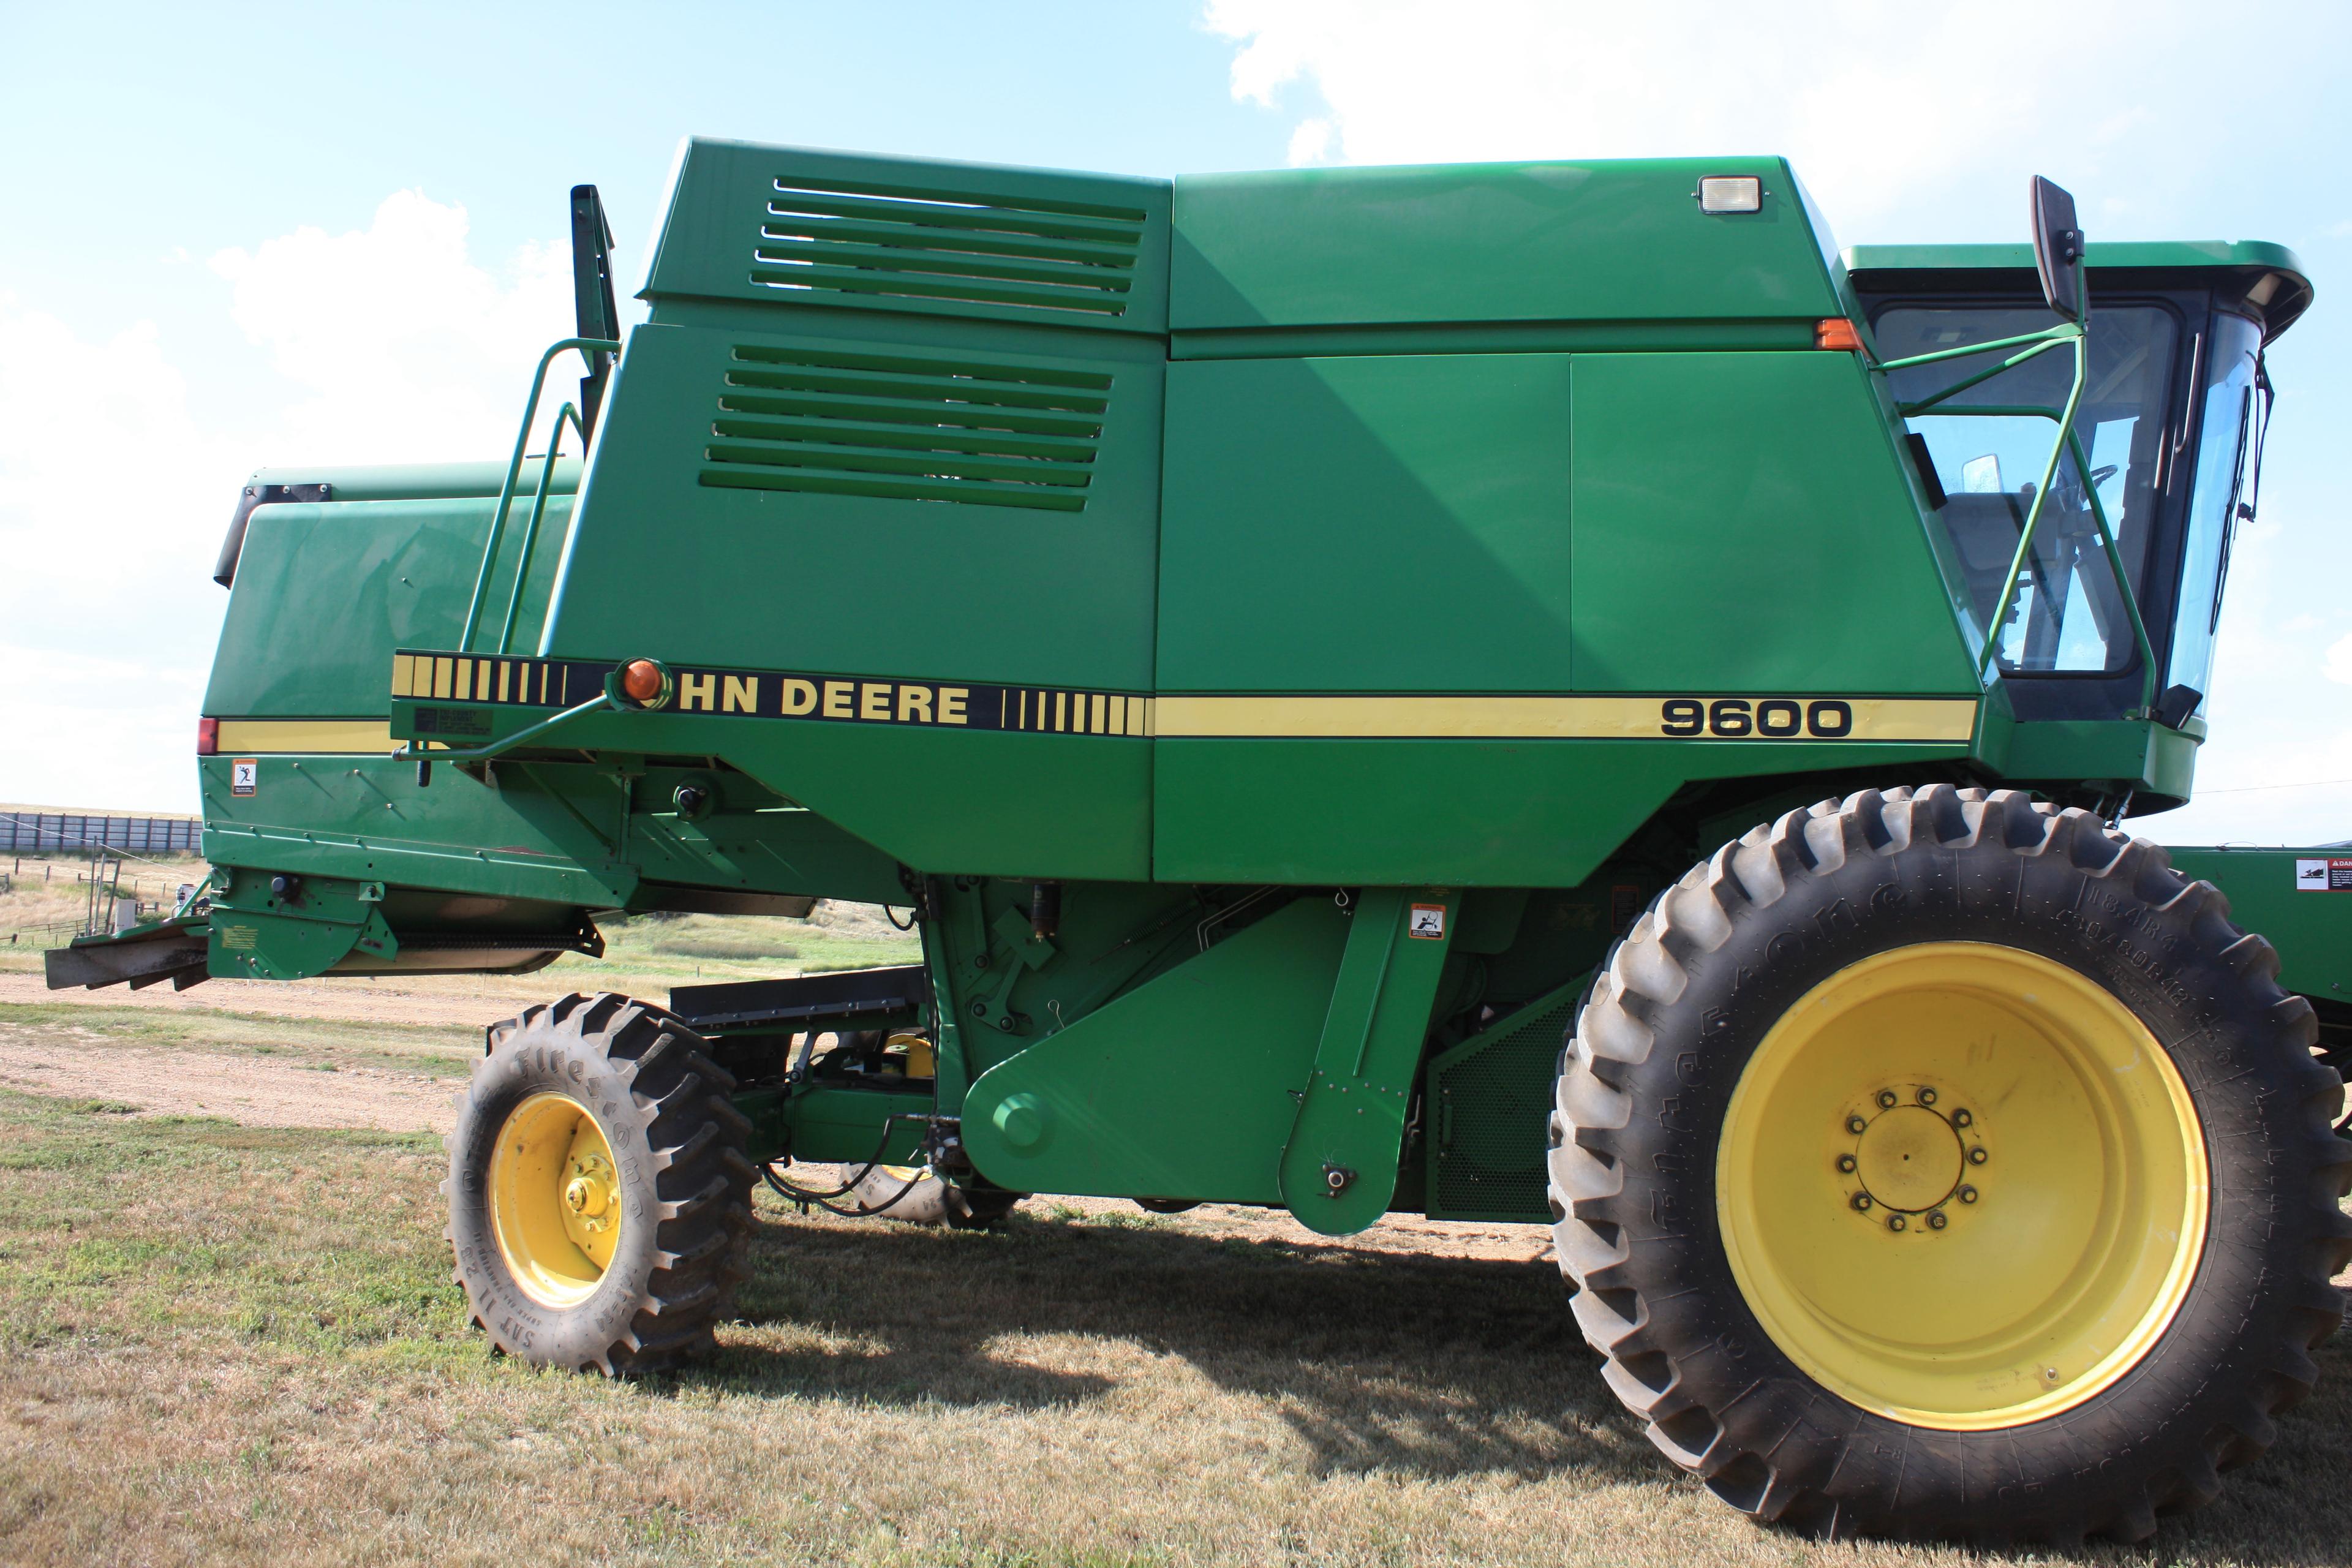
{"x": 1492, "y": 1106}
{"x": 904, "y": 242}
{"x": 907, "y": 429}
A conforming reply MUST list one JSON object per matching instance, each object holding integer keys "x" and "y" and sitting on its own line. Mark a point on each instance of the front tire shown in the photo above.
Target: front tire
{"x": 1943, "y": 1163}
{"x": 599, "y": 1192}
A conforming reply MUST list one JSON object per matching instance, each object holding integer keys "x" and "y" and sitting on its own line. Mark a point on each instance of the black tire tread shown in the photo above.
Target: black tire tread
{"x": 702, "y": 1177}
{"x": 1789, "y": 1480}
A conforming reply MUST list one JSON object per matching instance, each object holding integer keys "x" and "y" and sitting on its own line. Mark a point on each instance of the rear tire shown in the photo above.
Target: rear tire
{"x": 1729, "y": 1098}
{"x": 599, "y": 1192}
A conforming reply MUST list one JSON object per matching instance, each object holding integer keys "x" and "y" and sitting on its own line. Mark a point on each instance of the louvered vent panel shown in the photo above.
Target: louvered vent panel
{"x": 965, "y": 431}
{"x": 875, "y": 242}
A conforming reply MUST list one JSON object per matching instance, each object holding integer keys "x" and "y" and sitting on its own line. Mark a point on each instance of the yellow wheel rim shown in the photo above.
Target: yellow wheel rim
{"x": 1962, "y": 1185}
{"x": 555, "y": 1199}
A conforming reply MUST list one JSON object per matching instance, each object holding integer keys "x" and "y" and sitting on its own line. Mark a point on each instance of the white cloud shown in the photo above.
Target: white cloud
{"x": 1879, "y": 106}
{"x": 118, "y": 467}
{"x": 2337, "y": 664}
{"x": 406, "y": 348}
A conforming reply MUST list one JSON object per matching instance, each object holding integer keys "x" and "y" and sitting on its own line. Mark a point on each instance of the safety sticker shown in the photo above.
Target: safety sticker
{"x": 243, "y": 775}
{"x": 1428, "y": 921}
{"x": 2332, "y": 876}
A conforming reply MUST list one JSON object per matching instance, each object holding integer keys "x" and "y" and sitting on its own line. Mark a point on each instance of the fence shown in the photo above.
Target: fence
{"x": 40, "y": 833}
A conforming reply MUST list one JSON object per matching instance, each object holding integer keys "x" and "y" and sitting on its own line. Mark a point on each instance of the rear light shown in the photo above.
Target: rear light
{"x": 641, "y": 679}
{"x": 1836, "y": 332}
{"x": 207, "y": 737}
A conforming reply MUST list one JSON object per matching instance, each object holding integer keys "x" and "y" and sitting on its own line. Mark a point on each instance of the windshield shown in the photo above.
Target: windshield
{"x": 1989, "y": 445}
{"x": 2224, "y": 452}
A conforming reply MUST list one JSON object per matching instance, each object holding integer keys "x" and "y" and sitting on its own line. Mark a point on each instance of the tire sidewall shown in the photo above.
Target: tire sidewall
{"x": 541, "y": 1057}
{"x": 2202, "y": 1011}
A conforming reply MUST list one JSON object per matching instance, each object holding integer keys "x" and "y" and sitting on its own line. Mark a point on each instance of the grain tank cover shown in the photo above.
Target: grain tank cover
{"x": 1613, "y": 241}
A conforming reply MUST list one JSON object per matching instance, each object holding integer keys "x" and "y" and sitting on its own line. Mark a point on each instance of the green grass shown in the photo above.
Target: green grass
{"x": 433, "y": 1050}
{"x": 233, "y": 1344}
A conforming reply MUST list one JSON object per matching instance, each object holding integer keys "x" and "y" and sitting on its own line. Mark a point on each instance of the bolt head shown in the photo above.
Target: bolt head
{"x": 1894, "y": 1222}
{"x": 1861, "y": 1201}
{"x": 1926, "y": 1096}
{"x": 1885, "y": 1099}
{"x": 1977, "y": 1155}
{"x": 2050, "y": 1374}
{"x": 1961, "y": 1119}
{"x": 1845, "y": 1163}
{"x": 1937, "y": 1221}
{"x": 1968, "y": 1194}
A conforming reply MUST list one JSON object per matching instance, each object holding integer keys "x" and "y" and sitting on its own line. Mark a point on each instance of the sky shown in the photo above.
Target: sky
{"x": 240, "y": 235}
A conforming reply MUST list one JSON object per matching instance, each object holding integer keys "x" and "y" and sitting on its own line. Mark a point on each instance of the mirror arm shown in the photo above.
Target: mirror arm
{"x": 2122, "y": 579}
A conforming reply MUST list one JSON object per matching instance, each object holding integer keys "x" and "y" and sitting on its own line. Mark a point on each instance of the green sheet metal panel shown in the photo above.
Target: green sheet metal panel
{"x": 324, "y": 592}
{"x": 742, "y": 511}
{"x": 2299, "y": 900}
{"x": 1491, "y": 242}
{"x": 1186, "y": 1087}
{"x": 1463, "y": 812}
{"x": 796, "y": 227}
{"x": 1392, "y": 523}
{"x": 1740, "y": 523}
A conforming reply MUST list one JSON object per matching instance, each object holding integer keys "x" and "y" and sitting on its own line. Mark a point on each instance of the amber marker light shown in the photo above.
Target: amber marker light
{"x": 641, "y": 679}
{"x": 207, "y": 737}
{"x": 1836, "y": 332}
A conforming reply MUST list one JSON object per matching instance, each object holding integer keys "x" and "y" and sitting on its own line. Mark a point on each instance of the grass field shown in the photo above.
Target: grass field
{"x": 225, "y": 1344}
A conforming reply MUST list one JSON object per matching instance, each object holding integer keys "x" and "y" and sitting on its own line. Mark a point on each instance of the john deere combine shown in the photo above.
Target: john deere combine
{"x": 1302, "y": 646}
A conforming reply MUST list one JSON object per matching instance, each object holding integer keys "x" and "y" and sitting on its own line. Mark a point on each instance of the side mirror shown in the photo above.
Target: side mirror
{"x": 2057, "y": 249}
{"x": 591, "y": 294}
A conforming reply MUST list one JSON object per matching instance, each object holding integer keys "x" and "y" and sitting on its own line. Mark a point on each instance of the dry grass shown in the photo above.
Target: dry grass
{"x": 223, "y": 1344}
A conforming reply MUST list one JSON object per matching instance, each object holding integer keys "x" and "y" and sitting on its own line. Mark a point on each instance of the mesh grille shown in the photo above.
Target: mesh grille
{"x": 907, "y": 429}
{"x": 873, "y": 242}
{"x": 1493, "y": 1107}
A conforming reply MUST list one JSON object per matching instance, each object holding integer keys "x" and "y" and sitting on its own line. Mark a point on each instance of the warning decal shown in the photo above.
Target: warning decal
{"x": 1428, "y": 921}
{"x": 2331, "y": 876}
{"x": 244, "y": 775}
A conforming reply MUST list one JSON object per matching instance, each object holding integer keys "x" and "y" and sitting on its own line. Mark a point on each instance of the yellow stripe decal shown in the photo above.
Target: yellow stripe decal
{"x": 257, "y": 737}
{"x": 1949, "y": 720}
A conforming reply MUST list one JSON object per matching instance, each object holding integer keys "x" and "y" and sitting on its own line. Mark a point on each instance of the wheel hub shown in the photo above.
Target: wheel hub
{"x": 589, "y": 1194}
{"x": 1909, "y": 1157}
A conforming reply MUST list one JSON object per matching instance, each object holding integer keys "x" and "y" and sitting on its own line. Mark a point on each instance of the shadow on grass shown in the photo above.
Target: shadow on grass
{"x": 1425, "y": 1366}
{"x": 1417, "y": 1366}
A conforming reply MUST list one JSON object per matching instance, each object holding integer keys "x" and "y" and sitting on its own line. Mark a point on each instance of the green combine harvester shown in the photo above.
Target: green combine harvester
{"x": 1301, "y": 646}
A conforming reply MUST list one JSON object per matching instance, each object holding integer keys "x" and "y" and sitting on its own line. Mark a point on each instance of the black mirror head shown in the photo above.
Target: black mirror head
{"x": 2058, "y": 249}
{"x": 2177, "y": 704}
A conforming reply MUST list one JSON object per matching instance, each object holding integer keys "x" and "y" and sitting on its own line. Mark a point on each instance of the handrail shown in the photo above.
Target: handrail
{"x": 538, "y": 508}
{"x": 514, "y": 469}
{"x": 408, "y": 752}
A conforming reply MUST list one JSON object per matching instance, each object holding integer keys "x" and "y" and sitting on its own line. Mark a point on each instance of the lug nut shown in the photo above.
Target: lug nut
{"x": 1855, "y": 1124}
{"x": 1937, "y": 1221}
{"x": 1894, "y": 1222}
{"x": 1887, "y": 1100}
{"x": 1926, "y": 1096}
{"x": 1977, "y": 1155}
{"x": 1845, "y": 1164}
{"x": 1861, "y": 1201}
{"x": 1961, "y": 1119}
{"x": 2050, "y": 1373}
{"x": 1968, "y": 1194}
